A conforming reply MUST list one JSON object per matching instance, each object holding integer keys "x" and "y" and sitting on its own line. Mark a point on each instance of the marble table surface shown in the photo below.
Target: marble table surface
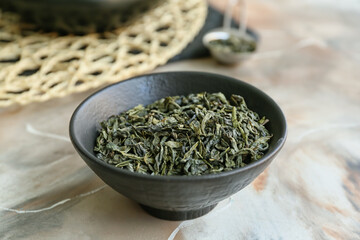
{"x": 308, "y": 62}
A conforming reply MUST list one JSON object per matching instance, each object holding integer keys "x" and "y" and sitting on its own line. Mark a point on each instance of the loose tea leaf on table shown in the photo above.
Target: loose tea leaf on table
{"x": 184, "y": 135}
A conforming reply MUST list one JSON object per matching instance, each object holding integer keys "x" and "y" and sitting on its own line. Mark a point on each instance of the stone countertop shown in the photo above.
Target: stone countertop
{"x": 308, "y": 62}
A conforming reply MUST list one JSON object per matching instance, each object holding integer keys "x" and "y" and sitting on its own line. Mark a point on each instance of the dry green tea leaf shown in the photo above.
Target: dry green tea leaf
{"x": 234, "y": 44}
{"x": 184, "y": 135}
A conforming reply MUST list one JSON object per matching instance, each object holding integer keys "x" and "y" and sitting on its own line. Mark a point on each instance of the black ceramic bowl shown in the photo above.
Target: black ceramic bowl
{"x": 172, "y": 197}
{"x": 76, "y": 16}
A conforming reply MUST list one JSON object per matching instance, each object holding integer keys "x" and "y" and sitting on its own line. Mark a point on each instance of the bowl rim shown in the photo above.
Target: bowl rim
{"x": 179, "y": 178}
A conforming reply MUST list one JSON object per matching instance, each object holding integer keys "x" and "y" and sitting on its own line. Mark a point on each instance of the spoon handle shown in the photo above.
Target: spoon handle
{"x": 227, "y": 16}
{"x": 243, "y": 18}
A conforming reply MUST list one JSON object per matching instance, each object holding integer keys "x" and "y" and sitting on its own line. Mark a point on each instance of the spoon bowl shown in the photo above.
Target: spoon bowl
{"x": 224, "y": 54}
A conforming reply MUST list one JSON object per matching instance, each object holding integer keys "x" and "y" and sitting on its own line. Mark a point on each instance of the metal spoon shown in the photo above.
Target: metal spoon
{"x": 225, "y": 55}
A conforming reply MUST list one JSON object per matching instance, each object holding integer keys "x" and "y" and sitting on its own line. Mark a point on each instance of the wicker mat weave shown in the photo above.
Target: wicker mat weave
{"x": 37, "y": 66}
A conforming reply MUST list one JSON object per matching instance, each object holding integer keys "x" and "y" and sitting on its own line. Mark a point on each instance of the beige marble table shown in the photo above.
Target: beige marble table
{"x": 308, "y": 61}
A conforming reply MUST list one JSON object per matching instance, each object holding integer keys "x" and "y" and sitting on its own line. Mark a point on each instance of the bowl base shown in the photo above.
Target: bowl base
{"x": 177, "y": 215}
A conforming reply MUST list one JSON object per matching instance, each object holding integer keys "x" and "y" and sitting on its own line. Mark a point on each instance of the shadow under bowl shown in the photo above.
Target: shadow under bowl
{"x": 172, "y": 197}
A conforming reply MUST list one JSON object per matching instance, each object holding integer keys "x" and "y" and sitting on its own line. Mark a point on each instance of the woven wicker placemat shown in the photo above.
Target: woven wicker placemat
{"x": 37, "y": 66}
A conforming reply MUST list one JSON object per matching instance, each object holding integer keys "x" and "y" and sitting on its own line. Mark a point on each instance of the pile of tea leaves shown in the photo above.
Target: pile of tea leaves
{"x": 234, "y": 44}
{"x": 197, "y": 134}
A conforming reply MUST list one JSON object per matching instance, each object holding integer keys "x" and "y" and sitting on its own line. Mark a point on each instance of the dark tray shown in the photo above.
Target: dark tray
{"x": 196, "y": 48}
{"x": 77, "y": 16}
